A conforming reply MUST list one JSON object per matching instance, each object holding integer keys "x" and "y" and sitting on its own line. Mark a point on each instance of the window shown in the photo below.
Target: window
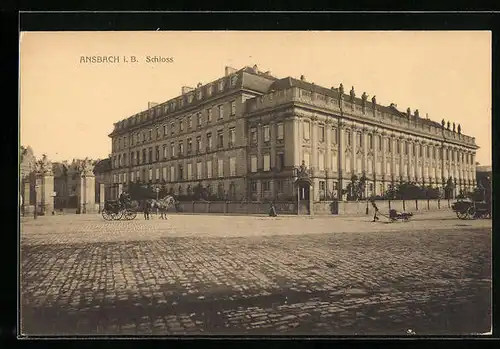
{"x": 379, "y": 143}
{"x": 144, "y": 137}
{"x": 199, "y": 94}
{"x": 334, "y": 135}
{"x": 209, "y": 141}
{"x": 406, "y": 147}
{"x": 150, "y": 154}
{"x": 378, "y": 167}
{"x": 150, "y": 135}
{"x": 198, "y": 119}
{"x": 164, "y": 173}
{"x": 189, "y": 171}
{"x": 232, "y": 137}
{"x": 137, "y": 177}
{"x": 157, "y": 132}
{"x": 253, "y": 163}
{"x": 132, "y": 176}
{"x": 232, "y": 166}
{"x": 280, "y": 161}
{"x": 266, "y": 185}
{"x": 220, "y": 139}
{"x": 253, "y": 135}
{"x": 369, "y": 166}
{"x": 190, "y": 121}
{"x": 165, "y": 130}
{"x": 209, "y": 168}
{"x": 181, "y": 126}
{"x": 198, "y": 144}
{"x": 398, "y": 146}
{"x": 267, "y": 133}
{"x": 221, "y": 111}
{"x": 370, "y": 141}
{"x": 280, "y": 133}
{"x": 198, "y": 170}
{"x": 132, "y": 158}
{"x": 279, "y": 186}
{"x": 137, "y": 157}
{"x": 427, "y": 151}
{"x": 267, "y": 162}
{"x": 307, "y": 130}
{"x": 233, "y": 107}
{"x": 220, "y": 168}
{"x": 221, "y": 85}
{"x": 181, "y": 172}
{"x": 322, "y": 190}
{"x": 414, "y": 149}
{"x": 157, "y": 174}
{"x": 210, "y": 90}
{"x": 348, "y": 137}
{"x": 389, "y": 145}
{"x": 321, "y": 132}
{"x": 420, "y": 152}
{"x": 172, "y": 149}
{"x": 150, "y": 174}
{"x": 321, "y": 161}
{"x": 144, "y": 160}
{"x": 164, "y": 151}
{"x": 359, "y": 139}
{"x": 209, "y": 115}
{"x": 189, "y": 145}
{"x": 181, "y": 148}
{"x": 253, "y": 186}
{"x": 306, "y": 159}
{"x": 157, "y": 153}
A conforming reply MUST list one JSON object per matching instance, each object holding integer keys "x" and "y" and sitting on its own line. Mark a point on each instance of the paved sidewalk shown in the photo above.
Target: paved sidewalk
{"x": 209, "y": 274}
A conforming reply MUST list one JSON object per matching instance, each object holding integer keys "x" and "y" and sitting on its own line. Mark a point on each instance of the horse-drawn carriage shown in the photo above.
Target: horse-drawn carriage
{"x": 115, "y": 210}
{"x": 471, "y": 209}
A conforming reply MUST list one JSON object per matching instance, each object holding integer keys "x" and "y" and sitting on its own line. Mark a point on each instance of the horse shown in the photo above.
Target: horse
{"x": 163, "y": 204}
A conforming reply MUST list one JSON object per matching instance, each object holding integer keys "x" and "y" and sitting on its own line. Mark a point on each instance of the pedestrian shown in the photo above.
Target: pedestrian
{"x": 374, "y": 205}
{"x": 272, "y": 210}
{"x": 146, "y": 209}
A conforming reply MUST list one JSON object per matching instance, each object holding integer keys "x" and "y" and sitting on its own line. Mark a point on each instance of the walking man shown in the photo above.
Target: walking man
{"x": 374, "y": 205}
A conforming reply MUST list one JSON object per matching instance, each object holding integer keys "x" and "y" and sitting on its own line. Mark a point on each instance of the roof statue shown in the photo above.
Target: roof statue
{"x": 44, "y": 165}
{"x": 374, "y": 101}
{"x": 364, "y": 97}
{"x": 86, "y": 167}
{"x": 302, "y": 170}
{"x": 417, "y": 114}
{"x": 353, "y": 94}
{"x": 408, "y": 112}
{"x": 341, "y": 90}
{"x": 448, "y": 125}
{"x": 459, "y": 129}
{"x": 453, "y": 127}
{"x": 442, "y": 123}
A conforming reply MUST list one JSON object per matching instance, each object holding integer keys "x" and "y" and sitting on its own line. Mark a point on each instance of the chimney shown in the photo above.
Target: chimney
{"x": 186, "y": 89}
{"x": 152, "y": 105}
{"x": 255, "y": 68}
{"x": 229, "y": 70}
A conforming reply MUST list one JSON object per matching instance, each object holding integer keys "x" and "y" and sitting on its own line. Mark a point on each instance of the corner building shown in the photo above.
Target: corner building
{"x": 246, "y": 134}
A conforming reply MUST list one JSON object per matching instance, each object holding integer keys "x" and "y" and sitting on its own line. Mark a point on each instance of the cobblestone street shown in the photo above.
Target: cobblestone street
{"x": 201, "y": 274}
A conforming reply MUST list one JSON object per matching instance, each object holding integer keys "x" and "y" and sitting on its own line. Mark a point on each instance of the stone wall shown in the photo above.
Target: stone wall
{"x": 234, "y": 207}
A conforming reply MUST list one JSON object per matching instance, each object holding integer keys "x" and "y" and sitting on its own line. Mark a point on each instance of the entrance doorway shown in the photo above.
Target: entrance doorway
{"x": 303, "y": 186}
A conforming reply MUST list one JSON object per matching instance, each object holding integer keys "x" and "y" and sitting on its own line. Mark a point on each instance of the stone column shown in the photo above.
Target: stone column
{"x": 328, "y": 153}
{"x": 102, "y": 195}
{"x": 354, "y": 155}
{"x": 45, "y": 182}
{"x": 86, "y": 187}
{"x": 392, "y": 139}
{"x": 385, "y": 175}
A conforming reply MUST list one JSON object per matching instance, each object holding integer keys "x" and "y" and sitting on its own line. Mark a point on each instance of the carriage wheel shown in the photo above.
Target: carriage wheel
{"x": 118, "y": 215}
{"x": 471, "y": 213}
{"x": 462, "y": 214}
{"x": 130, "y": 214}
{"x": 107, "y": 215}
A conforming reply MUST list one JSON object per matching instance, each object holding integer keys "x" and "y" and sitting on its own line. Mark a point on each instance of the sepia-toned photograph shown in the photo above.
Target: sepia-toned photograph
{"x": 209, "y": 183}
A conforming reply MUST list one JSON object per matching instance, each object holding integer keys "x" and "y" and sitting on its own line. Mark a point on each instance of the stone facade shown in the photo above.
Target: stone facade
{"x": 248, "y": 132}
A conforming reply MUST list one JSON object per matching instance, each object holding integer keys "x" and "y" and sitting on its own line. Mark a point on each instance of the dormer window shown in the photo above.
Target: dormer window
{"x": 199, "y": 94}
{"x": 210, "y": 90}
{"x": 190, "y": 98}
{"x": 165, "y": 109}
{"x": 174, "y": 104}
{"x": 221, "y": 85}
{"x": 234, "y": 79}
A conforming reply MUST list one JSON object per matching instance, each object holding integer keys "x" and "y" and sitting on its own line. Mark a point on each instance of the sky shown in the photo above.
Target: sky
{"x": 67, "y": 108}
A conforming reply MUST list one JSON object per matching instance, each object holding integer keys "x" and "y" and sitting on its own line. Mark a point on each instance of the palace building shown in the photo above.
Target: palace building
{"x": 247, "y": 134}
